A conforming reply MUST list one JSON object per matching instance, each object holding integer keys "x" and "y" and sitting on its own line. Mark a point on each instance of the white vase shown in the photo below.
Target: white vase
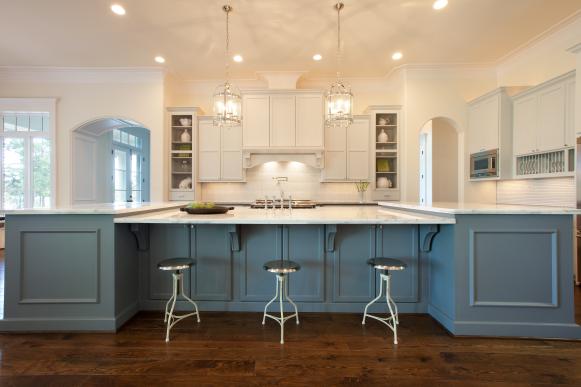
{"x": 186, "y": 137}
{"x": 382, "y": 137}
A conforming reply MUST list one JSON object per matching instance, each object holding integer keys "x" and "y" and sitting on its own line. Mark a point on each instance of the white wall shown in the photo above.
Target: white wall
{"x": 444, "y": 161}
{"x": 86, "y": 94}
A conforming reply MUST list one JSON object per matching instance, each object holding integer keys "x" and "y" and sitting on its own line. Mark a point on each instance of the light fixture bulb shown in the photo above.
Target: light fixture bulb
{"x": 397, "y": 55}
{"x": 159, "y": 59}
{"x": 317, "y": 57}
{"x": 440, "y": 4}
{"x": 238, "y": 58}
{"x": 118, "y": 9}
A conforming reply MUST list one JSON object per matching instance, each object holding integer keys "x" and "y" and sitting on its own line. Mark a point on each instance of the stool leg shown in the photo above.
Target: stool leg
{"x": 393, "y": 316}
{"x": 166, "y": 308}
{"x": 281, "y": 279}
{"x": 291, "y": 302}
{"x": 173, "y": 305}
{"x": 270, "y": 302}
{"x": 373, "y": 301}
{"x": 190, "y": 300}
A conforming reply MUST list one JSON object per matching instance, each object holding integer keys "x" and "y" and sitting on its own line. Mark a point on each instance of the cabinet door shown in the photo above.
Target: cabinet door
{"x": 335, "y": 154}
{"x": 309, "y": 121}
{"x": 353, "y": 279}
{"x": 358, "y": 150}
{"x": 525, "y": 125}
{"x": 208, "y": 151}
{"x": 490, "y": 124}
{"x": 401, "y": 242}
{"x": 475, "y": 129}
{"x": 282, "y": 121}
{"x": 166, "y": 241}
{"x": 305, "y": 244}
{"x": 260, "y": 243}
{"x": 551, "y": 116}
{"x": 211, "y": 277}
{"x": 255, "y": 123}
{"x": 231, "y": 162}
{"x": 570, "y": 134}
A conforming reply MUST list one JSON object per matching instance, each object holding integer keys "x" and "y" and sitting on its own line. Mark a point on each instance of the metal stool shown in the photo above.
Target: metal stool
{"x": 281, "y": 269}
{"x": 177, "y": 265}
{"x": 386, "y": 264}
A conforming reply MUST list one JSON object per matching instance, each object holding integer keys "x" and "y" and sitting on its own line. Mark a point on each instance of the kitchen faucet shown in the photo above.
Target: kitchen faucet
{"x": 279, "y": 180}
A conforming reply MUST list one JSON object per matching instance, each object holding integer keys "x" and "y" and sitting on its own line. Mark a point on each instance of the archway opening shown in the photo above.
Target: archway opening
{"x": 110, "y": 161}
{"x": 440, "y": 161}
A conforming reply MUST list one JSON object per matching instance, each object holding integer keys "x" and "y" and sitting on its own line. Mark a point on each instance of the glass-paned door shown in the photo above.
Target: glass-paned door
{"x": 127, "y": 175}
{"x": 120, "y": 167}
{"x": 13, "y": 172}
{"x": 41, "y": 176}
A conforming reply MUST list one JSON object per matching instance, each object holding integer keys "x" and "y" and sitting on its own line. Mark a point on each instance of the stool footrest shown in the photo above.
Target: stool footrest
{"x": 281, "y": 320}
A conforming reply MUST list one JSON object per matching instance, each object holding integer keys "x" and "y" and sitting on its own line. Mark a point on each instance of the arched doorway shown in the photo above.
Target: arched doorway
{"x": 441, "y": 161}
{"x": 110, "y": 161}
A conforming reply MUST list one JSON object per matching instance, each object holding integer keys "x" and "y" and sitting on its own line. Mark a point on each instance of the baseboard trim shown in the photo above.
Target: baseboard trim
{"x": 518, "y": 329}
{"x": 57, "y": 325}
{"x": 126, "y": 315}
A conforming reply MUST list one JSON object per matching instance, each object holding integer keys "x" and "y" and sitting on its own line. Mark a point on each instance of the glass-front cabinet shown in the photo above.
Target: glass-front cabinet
{"x": 386, "y": 176}
{"x": 182, "y": 123}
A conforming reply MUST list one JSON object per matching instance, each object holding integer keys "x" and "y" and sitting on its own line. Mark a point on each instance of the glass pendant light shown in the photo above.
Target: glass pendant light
{"x": 227, "y": 100}
{"x": 339, "y": 100}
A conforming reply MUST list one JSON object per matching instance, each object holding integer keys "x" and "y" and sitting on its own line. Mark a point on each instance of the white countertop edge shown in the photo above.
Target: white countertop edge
{"x": 98, "y": 209}
{"x": 480, "y": 209}
{"x": 280, "y": 220}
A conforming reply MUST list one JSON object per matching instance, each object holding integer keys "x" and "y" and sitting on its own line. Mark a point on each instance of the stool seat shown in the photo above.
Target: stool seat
{"x": 281, "y": 266}
{"x": 386, "y": 264}
{"x": 174, "y": 264}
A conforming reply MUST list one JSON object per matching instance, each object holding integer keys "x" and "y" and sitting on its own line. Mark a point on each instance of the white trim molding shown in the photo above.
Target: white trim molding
{"x": 81, "y": 74}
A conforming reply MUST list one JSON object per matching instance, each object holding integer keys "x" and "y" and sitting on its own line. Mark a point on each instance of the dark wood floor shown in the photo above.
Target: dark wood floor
{"x": 326, "y": 349}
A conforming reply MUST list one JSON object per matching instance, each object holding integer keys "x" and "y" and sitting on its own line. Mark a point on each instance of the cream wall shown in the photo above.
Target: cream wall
{"x": 432, "y": 92}
{"x": 83, "y": 95}
{"x": 444, "y": 161}
{"x": 543, "y": 58}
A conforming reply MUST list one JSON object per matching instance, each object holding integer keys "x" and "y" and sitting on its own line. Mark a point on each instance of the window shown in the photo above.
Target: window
{"x": 26, "y": 178}
{"x": 127, "y": 167}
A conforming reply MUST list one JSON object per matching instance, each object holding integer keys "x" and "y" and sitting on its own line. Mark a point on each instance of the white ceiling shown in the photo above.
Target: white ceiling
{"x": 270, "y": 34}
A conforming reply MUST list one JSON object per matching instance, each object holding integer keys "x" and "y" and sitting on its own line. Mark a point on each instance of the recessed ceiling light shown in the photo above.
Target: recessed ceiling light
{"x": 440, "y": 4}
{"x": 159, "y": 59}
{"x": 238, "y": 58}
{"x": 317, "y": 57}
{"x": 118, "y": 9}
{"x": 397, "y": 56}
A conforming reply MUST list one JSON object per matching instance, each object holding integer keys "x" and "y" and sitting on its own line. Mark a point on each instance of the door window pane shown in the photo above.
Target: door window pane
{"x": 22, "y": 123}
{"x": 13, "y": 170}
{"x": 9, "y": 123}
{"x": 120, "y": 175}
{"x": 41, "y": 177}
{"x": 36, "y": 123}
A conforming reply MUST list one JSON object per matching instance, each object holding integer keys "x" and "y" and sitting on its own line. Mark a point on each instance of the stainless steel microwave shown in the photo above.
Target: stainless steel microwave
{"x": 484, "y": 164}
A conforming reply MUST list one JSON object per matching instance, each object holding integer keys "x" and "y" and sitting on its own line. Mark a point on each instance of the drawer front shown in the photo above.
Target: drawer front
{"x": 179, "y": 195}
{"x": 386, "y": 195}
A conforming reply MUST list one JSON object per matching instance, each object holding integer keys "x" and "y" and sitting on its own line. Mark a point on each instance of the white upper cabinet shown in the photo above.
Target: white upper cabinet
{"x": 219, "y": 152}
{"x": 256, "y": 121}
{"x": 551, "y": 116}
{"x": 208, "y": 151}
{"x": 484, "y": 124}
{"x": 347, "y": 152}
{"x": 544, "y": 116}
{"x": 231, "y": 154}
{"x": 309, "y": 121}
{"x": 570, "y": 134}
{"x": 282, "y": 120}
{"x": 525, "y": 125}
{"x": 358, "y": 150}
{"x": 292, "y": 119}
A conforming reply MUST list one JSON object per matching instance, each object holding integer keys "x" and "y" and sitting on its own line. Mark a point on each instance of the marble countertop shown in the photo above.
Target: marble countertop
{"x": 98, "y": 209}
{"x": 320, "y": 215}
{"x": 452, "y": 208}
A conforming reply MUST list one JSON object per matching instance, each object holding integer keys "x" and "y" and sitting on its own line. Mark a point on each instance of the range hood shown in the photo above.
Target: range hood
{"x": 312, "y": 157}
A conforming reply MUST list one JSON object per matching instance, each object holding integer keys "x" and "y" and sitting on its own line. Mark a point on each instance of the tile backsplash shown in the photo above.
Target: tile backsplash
{"x": 304, "y": 182}
{"x": 556, "y": 192}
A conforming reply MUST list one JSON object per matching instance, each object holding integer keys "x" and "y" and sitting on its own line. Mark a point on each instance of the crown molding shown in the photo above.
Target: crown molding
{"x": 81, "y": 74}
{"x": 540, "y": 37}
{"x": 576, "y": 49}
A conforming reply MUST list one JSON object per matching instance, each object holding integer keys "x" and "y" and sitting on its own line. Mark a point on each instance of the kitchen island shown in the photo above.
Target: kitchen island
{"x": 486, "y": 272}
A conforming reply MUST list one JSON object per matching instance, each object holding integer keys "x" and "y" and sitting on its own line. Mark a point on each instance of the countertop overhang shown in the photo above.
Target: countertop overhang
{"x": 320, "y": 215}
{"x": 452, "y": 208}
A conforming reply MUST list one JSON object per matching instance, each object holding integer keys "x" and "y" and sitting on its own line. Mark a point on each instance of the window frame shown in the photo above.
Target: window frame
{"x": 30, "y": 105}
{"x": 130, "y": 150}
